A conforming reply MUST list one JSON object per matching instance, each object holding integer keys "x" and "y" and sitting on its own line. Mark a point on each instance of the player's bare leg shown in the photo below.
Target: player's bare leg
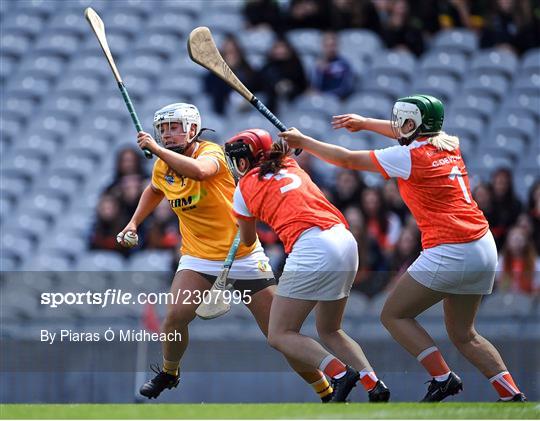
{"x": 329, "y": 316}
{"x": 286, "y": 318}
{"x": 178, "y": 317}
{"x": 260, "y": 305}
{"x": 459, "y": 314}
{"x": 405, "y": 303}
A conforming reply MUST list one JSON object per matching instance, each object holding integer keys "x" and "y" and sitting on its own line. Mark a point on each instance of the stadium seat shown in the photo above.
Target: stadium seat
{"x": 138, "y": 83}
{"x": 530, "y": 62}
{"x": 514, "y": 145}
{"x": 45, "y": 8}
{"x": 306, "y": 40}
{"x": 69, "y": 21}
{"x": 15, "y": 180}
{"x": 63, "y": 181}
{"x": 101, "y": 261}
{"x": 324, "y": 104}
{"x": 400, "y": 63}
{"x": 165, "y": 44}
{"x": 392, "y": 87}
{"x": 23, "y": 21}
{"x": 150, "y": 62}
{"x": 530, "y": 160}
{"x": 182, "y": 64}
{"x": 493, "y": 85}
{"x": 19, "y": 242}
{"x": 478, "y": 105}
{"x": 62, "y": 44}
{"x": 69, "y": 243}
{"x": 30, "y": 162}
{"x": 525, "y": 178}
{"x": 49, "y": 260}
{"x": 455, "y": 40}
{"x": 221, "y": 22}
{"x": 90, "y": 63}
{"x": 36, "y": 223}
{"x": 174, "y": 23}
{"x": 378, "y": 104}
{"x": 9, "y": 262}
{"x": 528, "y": 84}
{"x": 181, "y": 85}
{"x": 45, "y": 64}
{"x": 15, "y": 43}
{"x": 257, "y": 41}
{"x": 29, "y": 84}
{"x": 443, "y": 87}
{"x": 359, "y": 42}
{"x": 495, "y": 62}
{"x": 530, "y": 103}
{"x": 193, "y": 8}
{"x": 119, "y": 42}
{"x": 151, "y": 261}
{"x": 7, "y": 69}
{"x": 123, "y": 19}
{"x": 503, "y": 304}
{"x": 515, "y": 122}
{"x": 444, "y": 63}
{"x": 467, "y": 122}
{"x": 84, "y": 85}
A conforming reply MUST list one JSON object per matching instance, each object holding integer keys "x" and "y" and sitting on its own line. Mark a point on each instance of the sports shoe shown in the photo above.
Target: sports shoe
{"x": 153, "y": 388}
{"x": 343, "y": 386}
{"x": 327, "y": 398}
{"x": 520, "y": 397}
{"x": 437, "y": 391}
{"x": 380, "y": 393}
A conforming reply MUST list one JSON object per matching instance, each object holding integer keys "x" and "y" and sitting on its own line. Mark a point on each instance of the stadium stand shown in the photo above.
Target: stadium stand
{"x": 62, "y": 121}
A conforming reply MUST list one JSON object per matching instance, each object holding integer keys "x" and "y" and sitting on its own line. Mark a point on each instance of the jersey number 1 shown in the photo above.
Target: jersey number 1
{"x": 294, "y": 184}
{"x": 455, "y": 172}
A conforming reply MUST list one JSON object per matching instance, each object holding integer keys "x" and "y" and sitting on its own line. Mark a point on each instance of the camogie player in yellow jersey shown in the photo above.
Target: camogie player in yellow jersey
{"x": 192, "y": 174}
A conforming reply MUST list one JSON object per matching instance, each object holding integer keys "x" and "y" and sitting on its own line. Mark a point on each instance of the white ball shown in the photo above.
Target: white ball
{"x": 131, "y": 239}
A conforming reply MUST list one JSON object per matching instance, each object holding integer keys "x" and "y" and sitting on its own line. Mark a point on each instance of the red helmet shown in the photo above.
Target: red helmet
{"x": 253, "y": 145}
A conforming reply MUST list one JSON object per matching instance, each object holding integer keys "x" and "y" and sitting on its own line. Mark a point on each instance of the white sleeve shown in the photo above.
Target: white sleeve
{"x": 239, "y": 205}
{"x": 395, "y": 160}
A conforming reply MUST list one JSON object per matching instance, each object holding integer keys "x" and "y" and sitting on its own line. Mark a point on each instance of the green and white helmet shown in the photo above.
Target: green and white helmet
{"x": 427, "y": 113}
{"x": 180, "y": 112}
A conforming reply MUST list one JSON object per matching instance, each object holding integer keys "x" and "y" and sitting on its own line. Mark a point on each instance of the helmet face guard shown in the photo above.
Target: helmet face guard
{"x": 185, "y": 114}
{"x": 425, "y": 111}
{"x": 247, "y": 149}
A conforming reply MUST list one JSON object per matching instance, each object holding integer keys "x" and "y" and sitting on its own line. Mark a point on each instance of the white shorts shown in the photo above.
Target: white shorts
{"x": 321, "y": 266}
{"x": 253, "y": 266}
{"x": 466, "y": 268}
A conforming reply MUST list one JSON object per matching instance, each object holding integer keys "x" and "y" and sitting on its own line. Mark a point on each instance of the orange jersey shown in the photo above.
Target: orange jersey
{"x": 289, "y": 202}
{"x": 435, "y": 186}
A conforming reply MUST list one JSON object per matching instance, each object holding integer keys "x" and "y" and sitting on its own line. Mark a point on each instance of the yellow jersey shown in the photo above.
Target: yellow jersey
{"x": 204, "y": 208}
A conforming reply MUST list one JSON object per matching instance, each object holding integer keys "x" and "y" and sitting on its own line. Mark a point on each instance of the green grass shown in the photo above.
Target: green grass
{"x": 274, "y": 411}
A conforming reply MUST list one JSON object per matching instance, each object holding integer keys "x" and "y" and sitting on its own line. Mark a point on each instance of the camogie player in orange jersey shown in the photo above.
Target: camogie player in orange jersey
{"x": 192, "y": 174}
{"x": 459, "y": 256}
{"x": 321, "y": 264}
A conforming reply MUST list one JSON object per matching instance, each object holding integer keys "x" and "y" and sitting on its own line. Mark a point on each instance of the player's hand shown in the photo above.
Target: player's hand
{"x": 131, "y": 240}
{"x": 351, "y": 122}
{"x": 293, "y": 137}
{"x": 146, "y": 141}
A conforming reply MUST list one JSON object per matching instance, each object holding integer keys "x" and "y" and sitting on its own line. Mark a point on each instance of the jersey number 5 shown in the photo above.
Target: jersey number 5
{"x": 294, "y": 184}
{"x": 455, "y": 172}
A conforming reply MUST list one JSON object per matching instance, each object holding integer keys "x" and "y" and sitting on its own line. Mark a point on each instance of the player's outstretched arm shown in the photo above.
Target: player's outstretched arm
{"x": 336, "y": 155}
{"x": 356, "y": 123}
{"x": 248, "y": 230}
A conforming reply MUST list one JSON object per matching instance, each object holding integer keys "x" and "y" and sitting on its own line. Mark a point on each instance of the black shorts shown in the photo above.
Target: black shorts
{"x": 247, "y": 286}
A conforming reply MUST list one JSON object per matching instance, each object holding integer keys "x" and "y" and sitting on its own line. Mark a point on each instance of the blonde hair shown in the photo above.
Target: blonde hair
{"x": 444, "y": 141}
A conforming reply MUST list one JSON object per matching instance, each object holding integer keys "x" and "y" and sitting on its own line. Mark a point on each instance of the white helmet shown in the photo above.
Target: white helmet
{"x": 180, "y": 112}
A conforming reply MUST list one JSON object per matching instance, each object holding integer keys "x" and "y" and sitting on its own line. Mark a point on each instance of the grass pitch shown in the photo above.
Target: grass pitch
{"x": 274, "y": 411}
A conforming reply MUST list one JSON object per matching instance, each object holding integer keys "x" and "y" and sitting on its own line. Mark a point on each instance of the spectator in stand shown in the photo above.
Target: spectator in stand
{"x": 332, "y": 73}
{"x": 347, "y": 189}
{"x": 394, "y": 201}
{"x": 372, "y": 275}
{"x": 309, "y": 14}
{"x": 506, "y": 205}
{"x": 107, "y": 224}
{"x": 218, "y": 90}
{"x": 263, "y": 13}
{"x": 128, "y": 191}
{"x": 282, "y": 76}
{"x": 508, "y": 25}
{"x": 483, "y": 195}
{"x": 128, "y": 162}
{"x": 519, "y": 265}
{"x": 534, "y": 214}
{"x": 407, "y": 249}
{"x": 162, "y": 229}
{"x": 347, "y": 14}
{"x": 382, "y": 225}
{"x": 398, "y": 31}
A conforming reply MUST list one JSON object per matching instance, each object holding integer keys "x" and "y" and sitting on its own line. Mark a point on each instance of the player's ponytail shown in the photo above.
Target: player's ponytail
{"x": 274, "y": 160}
{"x": 444, "y": 142}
